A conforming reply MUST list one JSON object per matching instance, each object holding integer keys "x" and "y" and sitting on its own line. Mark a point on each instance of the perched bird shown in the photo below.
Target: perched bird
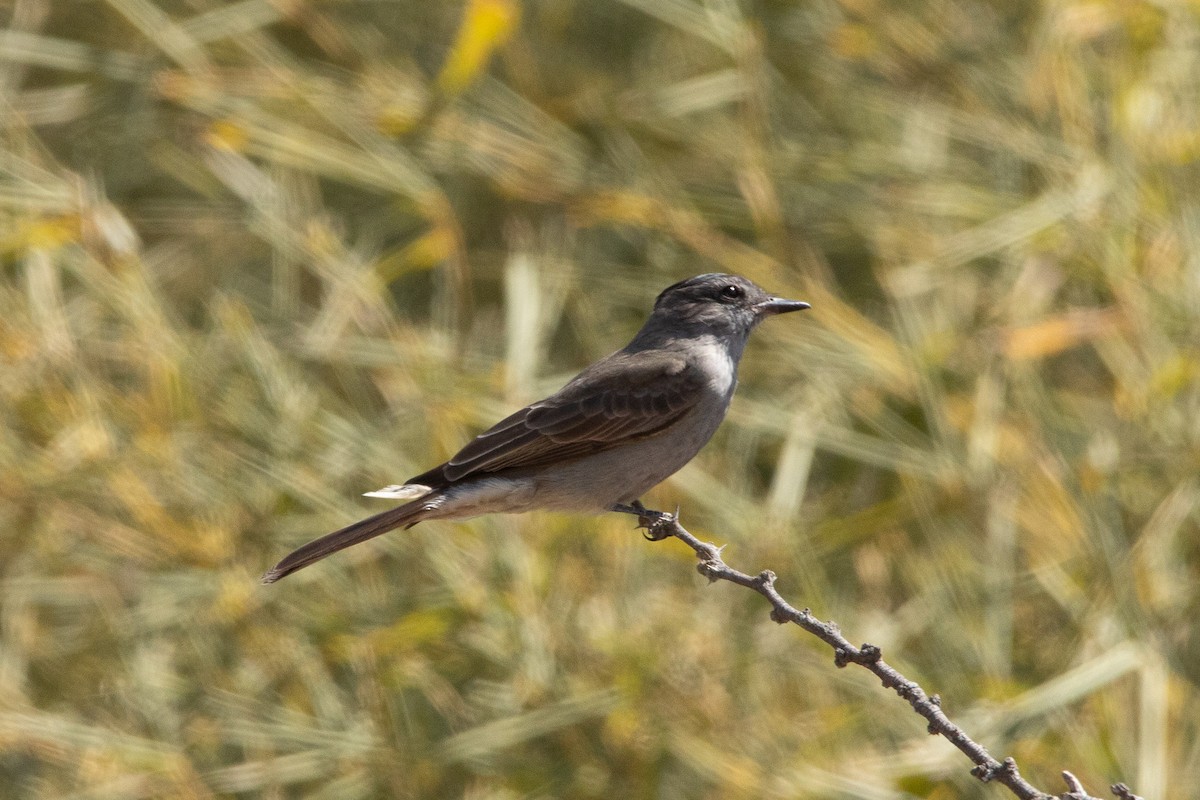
{"x": 617, "y": 429}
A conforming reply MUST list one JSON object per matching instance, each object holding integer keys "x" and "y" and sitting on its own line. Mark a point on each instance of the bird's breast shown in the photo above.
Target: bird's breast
{"x": 720, "y": 368}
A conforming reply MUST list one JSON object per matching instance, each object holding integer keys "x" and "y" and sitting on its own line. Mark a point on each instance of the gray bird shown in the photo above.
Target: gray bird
{"x": 617, "y": 429}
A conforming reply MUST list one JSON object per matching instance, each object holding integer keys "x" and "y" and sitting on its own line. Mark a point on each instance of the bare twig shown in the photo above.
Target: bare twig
{"x": 869, "y": 657}
{"x": 1075, "y": 790}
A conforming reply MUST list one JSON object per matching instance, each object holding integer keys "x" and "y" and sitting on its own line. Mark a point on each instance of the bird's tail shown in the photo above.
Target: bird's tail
{"x": 408, "y": 515}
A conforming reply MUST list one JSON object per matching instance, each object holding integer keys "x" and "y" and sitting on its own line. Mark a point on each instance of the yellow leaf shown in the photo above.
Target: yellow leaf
{"x": 486, "y": 25}
{"x": 425, "y": 252}
{"x": 50, "y": 233}
{"x": 226, "y": 134}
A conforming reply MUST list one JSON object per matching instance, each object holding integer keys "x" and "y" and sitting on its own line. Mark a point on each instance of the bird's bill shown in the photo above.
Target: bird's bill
{"x": 777, "y": 305}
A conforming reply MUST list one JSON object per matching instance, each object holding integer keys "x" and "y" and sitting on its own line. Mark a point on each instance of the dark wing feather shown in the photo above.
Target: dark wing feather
{"x": 592, "y": 413}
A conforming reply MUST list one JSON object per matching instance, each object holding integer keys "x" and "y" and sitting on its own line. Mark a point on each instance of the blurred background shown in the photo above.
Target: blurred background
{"x": 260, "y": 257}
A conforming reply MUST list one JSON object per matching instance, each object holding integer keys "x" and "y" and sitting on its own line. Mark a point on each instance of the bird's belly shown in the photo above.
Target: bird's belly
{"x": 592, "y": 483}
{"x": 623, "y": 474}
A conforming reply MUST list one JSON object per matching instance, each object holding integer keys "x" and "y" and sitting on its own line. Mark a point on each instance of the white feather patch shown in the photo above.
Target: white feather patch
{"x": 408, "y": 491}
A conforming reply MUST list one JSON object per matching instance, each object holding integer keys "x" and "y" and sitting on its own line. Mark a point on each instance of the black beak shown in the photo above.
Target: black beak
{"x": 777, "y": 305}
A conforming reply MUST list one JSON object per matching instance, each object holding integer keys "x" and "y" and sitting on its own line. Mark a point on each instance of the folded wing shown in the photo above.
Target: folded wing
{"x": 592, "y": 413}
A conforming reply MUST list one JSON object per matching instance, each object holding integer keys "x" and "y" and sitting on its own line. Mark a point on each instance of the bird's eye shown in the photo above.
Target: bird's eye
{"x": 731, "y": 292}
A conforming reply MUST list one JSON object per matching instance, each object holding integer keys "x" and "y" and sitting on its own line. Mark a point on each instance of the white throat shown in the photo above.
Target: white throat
{"x": 716, "y": 360}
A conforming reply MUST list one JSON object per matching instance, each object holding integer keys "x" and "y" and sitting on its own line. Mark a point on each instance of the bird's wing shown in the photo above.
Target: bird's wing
{"x": 594, "y": 412}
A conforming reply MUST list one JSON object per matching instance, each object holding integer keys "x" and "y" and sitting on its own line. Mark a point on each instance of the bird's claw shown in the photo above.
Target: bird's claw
{"x": 657, "y": 524}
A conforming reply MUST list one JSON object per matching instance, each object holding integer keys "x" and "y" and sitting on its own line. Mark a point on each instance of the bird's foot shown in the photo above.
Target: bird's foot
{"x": 657, "y": 524}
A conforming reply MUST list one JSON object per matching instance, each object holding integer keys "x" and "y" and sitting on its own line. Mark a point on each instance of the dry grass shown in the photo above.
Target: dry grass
{"x": 260, "y": 256}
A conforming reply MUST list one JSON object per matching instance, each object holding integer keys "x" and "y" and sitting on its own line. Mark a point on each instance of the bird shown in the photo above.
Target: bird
{"x": 619, "y": 428}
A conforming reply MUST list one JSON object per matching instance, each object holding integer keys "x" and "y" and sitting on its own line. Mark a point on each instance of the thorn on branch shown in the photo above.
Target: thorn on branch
{"x": 710, "y": 570}
{"x": 710, "y": 553}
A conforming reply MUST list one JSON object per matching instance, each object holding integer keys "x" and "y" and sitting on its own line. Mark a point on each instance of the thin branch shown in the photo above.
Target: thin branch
{"x": 869, "y": 657}
{"x": 1124, "y": 792}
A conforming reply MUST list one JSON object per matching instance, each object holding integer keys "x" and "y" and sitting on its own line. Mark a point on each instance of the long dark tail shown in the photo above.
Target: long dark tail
{"x": 407, "y": 514}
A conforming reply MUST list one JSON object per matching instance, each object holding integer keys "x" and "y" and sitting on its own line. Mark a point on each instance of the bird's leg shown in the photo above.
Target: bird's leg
{"x": 656, "y": 523}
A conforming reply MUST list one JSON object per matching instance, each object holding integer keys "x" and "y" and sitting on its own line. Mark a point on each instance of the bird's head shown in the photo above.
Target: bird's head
{"x": 717, "y": 304}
